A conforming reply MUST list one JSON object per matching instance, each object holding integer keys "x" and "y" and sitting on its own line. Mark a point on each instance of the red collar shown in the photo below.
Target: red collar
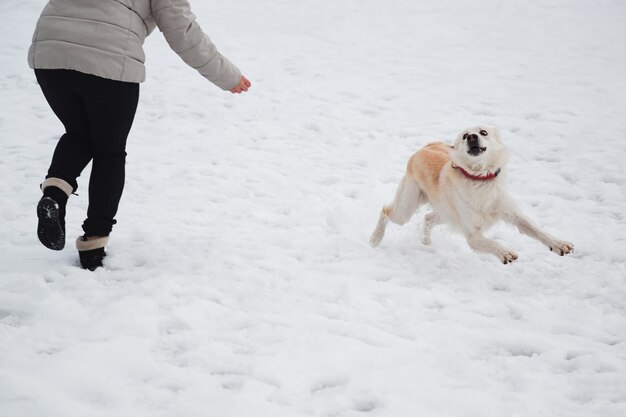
{"x": 488, "y": 176}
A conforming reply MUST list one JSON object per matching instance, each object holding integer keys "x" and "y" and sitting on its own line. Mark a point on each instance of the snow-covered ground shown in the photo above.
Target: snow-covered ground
{"x": 239, "y": 280}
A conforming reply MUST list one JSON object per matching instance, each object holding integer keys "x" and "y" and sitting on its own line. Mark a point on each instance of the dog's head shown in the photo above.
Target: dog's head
{"x": 480, "y": 148}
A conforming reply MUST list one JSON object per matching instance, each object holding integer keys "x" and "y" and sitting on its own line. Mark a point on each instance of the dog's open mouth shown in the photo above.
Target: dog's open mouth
{"x": 476, "y": 150}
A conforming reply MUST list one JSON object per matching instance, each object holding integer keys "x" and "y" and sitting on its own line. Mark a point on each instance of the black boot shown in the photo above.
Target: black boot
{"x": 51, "y": 213}
{"x": 91, "y": 251}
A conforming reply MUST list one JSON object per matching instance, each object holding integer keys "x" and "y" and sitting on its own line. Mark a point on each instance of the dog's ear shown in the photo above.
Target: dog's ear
{"x": 459, "y": 137}
{"x": 496, "y": 134}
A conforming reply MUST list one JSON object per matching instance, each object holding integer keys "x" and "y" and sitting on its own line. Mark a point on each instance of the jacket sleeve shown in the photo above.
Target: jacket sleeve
{"x": 178, "y": 24}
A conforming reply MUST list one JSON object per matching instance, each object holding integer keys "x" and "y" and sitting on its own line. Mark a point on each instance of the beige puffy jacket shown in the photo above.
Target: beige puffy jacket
{"x": 105, "y": 38}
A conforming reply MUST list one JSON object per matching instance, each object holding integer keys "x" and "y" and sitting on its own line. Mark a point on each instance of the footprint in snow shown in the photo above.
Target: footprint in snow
{"x": 366, "y": 403}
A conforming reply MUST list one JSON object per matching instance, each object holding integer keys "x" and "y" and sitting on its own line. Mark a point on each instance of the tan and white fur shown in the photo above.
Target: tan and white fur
{"x": 470, "y": 201}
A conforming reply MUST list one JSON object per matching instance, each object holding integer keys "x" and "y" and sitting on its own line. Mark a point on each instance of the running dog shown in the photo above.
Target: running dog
{"x": 464, "y": 184}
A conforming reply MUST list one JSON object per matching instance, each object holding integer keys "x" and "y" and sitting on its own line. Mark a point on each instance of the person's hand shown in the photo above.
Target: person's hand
{"x": 243, "y": 85}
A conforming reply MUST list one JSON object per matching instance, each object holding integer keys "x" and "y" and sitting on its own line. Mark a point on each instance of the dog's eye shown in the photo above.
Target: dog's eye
{"x": 465, "y": 136}
{"x": 483, "y": 132}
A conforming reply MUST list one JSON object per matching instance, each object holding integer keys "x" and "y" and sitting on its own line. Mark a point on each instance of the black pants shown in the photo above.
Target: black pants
{"x": 97, "y": 114}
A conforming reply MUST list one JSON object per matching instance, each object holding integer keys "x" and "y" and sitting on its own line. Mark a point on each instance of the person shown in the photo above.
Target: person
{"x": 88, "y": 60}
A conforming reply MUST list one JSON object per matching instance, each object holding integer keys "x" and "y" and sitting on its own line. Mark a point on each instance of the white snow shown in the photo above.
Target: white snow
{"x": 239, "y": 280}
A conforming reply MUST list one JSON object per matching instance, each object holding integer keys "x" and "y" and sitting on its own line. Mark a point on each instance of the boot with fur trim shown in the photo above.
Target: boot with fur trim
{"x": 51, "y": 213}
{"x": 91, "y": 251}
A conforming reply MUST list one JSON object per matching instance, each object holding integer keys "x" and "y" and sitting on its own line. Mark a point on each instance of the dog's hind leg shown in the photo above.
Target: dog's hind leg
{"x": 431, "y": 220}
{"x": 379, "y": 231}
{"x": 409, "y": 196}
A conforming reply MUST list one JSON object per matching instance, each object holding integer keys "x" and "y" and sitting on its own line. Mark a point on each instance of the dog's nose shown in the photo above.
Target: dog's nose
{"x": 472, "y": 139}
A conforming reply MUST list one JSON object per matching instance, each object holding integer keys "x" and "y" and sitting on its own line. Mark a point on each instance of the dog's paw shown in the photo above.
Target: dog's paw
{"x": 561, "y": 247}
{"x": 507, "y": 256}
{"x": 377, "y": 237}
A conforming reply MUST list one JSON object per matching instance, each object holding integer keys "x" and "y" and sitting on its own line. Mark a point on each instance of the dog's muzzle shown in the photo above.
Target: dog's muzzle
{"x": 473, "y": 145}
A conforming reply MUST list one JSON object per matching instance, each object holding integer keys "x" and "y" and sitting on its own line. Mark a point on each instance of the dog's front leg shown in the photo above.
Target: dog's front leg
{"x": 525, "y": 226}
{"x": 480, "y": 243}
